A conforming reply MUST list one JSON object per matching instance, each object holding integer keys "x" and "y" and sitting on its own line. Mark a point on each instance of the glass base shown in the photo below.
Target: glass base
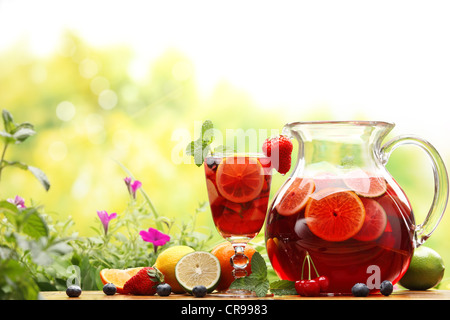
{"x": 241, "y": 293}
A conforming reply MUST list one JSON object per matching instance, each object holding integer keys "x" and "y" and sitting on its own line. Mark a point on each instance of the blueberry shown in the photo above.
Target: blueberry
{"x": 360, "y": 290}
{"x": 109, "y": 289}
{"x": 73, "y": 291}
{"x": 199, "y": 291}
{"x": 386, "y": 287}
{"x": 163, "y": 289}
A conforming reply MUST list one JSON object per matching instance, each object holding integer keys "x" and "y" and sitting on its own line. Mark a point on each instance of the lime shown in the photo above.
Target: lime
{"x": 198, "y": 268}
{"x": 166, "y": 262}
{"x": 425, "y": 270}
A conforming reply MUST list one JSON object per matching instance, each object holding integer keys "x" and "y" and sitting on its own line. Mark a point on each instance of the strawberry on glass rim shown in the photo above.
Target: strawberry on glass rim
{"x": 279, "y": 150}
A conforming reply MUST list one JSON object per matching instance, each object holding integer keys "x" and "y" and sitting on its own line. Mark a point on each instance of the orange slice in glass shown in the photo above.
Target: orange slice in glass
{"x": 337, "y": 216}
{"x": 240, "y": 178}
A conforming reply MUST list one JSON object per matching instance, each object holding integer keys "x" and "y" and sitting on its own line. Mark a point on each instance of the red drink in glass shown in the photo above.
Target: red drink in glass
{"x": 238, "y": 191}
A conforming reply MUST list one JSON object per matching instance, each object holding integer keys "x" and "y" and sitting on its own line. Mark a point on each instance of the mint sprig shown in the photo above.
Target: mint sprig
{"x": 201, "y": 147}
{"x": 257, "y": 280}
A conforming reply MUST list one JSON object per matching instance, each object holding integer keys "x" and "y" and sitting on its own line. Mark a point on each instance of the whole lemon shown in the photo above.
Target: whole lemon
{"x": 425, "y": 270}
{"x": 166, "y": 262}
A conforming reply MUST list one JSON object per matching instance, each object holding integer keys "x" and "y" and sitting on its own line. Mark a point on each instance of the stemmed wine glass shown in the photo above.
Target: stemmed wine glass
{"x": 238, "y": 189}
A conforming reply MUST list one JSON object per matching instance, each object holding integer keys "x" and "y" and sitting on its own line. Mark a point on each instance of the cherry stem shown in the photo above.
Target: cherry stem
{"x": 310, "y": 261}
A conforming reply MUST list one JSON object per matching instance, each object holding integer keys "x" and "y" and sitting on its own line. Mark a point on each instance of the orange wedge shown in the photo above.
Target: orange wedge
{"x": 118, "y": 276}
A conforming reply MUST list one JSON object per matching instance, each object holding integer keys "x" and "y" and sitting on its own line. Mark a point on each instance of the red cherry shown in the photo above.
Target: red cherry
{"x": 311, "y": 288}
{"x": 323, "y": 283}
{"x": 299, "y": 287}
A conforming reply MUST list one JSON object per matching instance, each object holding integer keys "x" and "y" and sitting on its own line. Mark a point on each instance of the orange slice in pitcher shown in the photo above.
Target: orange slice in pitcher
{"x": 374, "y": 223}
{"x": 296, "y": 197}
{"x": 239, "y": 178}
{"x": 337, "y": 216}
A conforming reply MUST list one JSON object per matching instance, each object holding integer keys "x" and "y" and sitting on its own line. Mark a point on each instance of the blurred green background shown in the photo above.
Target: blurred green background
{"x": 90, "y": 111}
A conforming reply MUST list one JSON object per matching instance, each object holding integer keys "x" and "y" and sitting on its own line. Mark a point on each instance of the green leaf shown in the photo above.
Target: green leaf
{"x": 40, "y": 175}
{"x": 245, "y": 283}
{"x": 259, "y": 267}
{"x": 8, "y": 136}
{"x": 207, "y": 132}
{"x": 262, "y": 288}
{"x": 200, "y": 148}
{"x": 257, "y": 280}
{"x": 23, "y": 134}
{"x": 8, "y": 121}
{"x": 33, "y": 224}
{"x": 11, "y": 212}
{"x": 16, "y": 282}
{"x": 283, "y": 287}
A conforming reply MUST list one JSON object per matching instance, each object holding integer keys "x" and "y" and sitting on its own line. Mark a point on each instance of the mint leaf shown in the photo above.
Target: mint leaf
{"x": 259, "y": 267}
{"x": 245, "y": 283}
{"x": 257, "y": 280}
{"x": 283, "y": 287}
{"x": 207, "y": 132}
{"x": 262, "y": 288}
{"x": 200, "y": 148}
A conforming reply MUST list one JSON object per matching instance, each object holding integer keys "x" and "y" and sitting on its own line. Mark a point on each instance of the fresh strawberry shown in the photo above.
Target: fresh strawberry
{"x": 279, "y": 151}
{"x": 144, "y": 282}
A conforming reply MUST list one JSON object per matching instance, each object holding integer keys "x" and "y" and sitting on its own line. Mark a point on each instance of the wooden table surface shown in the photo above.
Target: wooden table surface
{"x": 396, "y": 295}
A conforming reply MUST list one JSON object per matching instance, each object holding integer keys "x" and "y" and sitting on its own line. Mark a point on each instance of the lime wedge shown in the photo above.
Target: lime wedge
{"x": 198, "y": 268}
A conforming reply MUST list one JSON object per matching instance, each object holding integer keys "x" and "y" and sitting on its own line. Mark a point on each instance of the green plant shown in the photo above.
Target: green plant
{"x": 40, "y": 253}
{"x": 27, "y": 244}
{"x": 121, "y": 244}
{"x": 17, "y": 133}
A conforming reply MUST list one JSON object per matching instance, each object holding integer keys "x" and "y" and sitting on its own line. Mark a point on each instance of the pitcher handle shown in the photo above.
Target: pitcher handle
{"x": 434, "y": 216}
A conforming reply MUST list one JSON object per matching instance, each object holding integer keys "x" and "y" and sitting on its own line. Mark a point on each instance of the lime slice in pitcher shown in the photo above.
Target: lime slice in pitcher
{"x": 365, "y": 184}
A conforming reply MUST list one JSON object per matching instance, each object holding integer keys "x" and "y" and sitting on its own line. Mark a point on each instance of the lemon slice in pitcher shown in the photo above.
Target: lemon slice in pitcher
{"x": 198, "y": 268}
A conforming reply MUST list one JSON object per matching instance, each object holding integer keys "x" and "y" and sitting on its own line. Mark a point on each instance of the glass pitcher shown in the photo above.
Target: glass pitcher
{"x": 342, "y": 211}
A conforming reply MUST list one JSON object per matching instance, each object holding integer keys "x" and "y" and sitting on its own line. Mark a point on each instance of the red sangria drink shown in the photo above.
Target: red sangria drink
{"x": 238, "y": 190}
{"x": 354, "y": 229}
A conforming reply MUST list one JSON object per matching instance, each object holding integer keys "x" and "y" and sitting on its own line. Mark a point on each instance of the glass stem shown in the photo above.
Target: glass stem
{"x": 239, "y": 261}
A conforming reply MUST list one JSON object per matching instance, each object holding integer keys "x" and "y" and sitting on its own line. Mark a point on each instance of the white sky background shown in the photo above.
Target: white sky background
{"x": 386, "y": 60}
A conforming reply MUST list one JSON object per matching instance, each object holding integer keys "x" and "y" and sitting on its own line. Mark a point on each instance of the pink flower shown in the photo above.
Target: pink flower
{"x": 155, "y": 237}
{"x": 132, "y": 186}
{"x": 19, "y": 202}
{"x": 105, "y": 218}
